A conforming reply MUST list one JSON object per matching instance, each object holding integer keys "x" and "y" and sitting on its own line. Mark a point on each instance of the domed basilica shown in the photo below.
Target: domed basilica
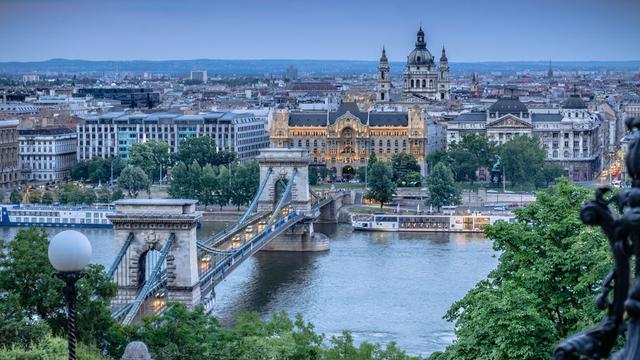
{"x": 421, "y": 78}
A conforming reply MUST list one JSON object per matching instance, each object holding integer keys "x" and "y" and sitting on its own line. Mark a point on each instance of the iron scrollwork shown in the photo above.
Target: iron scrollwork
{"x": 619, "y": 218}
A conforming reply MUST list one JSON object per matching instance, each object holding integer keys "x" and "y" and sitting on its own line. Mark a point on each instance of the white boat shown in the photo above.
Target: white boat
{"x": 56, "y": 216}
{"x": 474, "y": 222}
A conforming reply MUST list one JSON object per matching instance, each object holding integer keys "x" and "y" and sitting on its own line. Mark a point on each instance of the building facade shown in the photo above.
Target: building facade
{"x": 9, "y": 169}
{"x": 343, "y": 140}
{"x": 569, "y": 135}
{"x": 47, "y": 154}
{"x": 113, "y": 134}
{"x": 383, "y": 94}
{"x": 199, "y": 75}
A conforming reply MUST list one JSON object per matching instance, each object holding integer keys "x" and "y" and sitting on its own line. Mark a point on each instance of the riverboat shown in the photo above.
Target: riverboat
{"x": 57, "y": 216}
{"x": 473, "y": 222}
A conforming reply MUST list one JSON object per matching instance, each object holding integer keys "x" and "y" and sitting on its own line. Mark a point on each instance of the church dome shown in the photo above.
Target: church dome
{"x": 420, "y": 55}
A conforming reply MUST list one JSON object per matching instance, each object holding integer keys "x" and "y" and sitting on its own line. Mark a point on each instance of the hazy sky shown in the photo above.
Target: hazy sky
{"x": 471, "y": 30}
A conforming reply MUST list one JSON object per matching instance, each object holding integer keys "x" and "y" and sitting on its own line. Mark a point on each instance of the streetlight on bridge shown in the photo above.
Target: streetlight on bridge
{"x": 69, "y": 253}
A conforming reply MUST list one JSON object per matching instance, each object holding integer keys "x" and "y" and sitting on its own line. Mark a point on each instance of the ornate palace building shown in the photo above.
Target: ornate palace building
{"x": 569, "y": 135}
{"x": 343, "y": 140}
{"x": 421, "y": 78}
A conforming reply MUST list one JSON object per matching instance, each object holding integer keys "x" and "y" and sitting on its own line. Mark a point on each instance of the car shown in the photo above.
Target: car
{"x": 500, "y": 208}
{"x": 249, "y": 229}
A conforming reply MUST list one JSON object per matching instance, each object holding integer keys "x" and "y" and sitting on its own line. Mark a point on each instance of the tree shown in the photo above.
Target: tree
{"x": 203, "y": 150}
{"x": 133, "y": 180}
{"x": 403, "y": 164}
{"x": 372, "y": 160}
{"x": 208, "y": 186}
{"x": 26, "y": 276}
{"x": 117, "y": 195}
{"x": 246, "y": 181}
{"x": 412, "y": 178}
{"x": 47, "y": 198}
{"x": 550, "y": 172}
{"x": 89, "y": 197}
{"x": 80, "y": 171}
{"x": 522, "y": 158}
{"x": 180, "y": 183}
{"x": 96, "y": 170}
{"x": 549, "y": 272}
{"x": 225, "y": 187}
{"x": 150, "y": 156}
{"x": 35, "y": 196}
{"x": 469, "y": 154}
{"x": 442, "y": 187}
{"x": 381, "y": 185}
{"x": 313, "y": 176}
{"x": 70, "y": 194}
{"x": 436, "y": 157}
{"x": 104, "y": 196}
{"x": 362, "y": 174}
{"x": 15, "y": 197}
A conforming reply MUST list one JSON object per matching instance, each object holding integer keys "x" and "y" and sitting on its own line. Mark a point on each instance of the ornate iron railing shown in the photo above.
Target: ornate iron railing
{"x": 621, "y": 225}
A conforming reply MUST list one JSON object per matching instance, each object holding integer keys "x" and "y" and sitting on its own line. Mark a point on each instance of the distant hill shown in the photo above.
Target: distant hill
{"x": 261, "y": 67}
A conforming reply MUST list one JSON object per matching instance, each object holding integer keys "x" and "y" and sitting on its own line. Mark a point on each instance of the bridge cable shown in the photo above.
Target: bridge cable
{"x": 148, "y": 284}
{"x": 282, "y": 201}
{"x": 118, "y": 259}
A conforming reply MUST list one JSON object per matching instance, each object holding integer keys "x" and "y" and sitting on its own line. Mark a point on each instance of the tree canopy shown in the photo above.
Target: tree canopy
{"x": 442, "y": 188}
{"x": 151, "y": 156}
{"x": 543, "y": 289}
{"x": 523, "y": 160}
{"x": 405, "y": 167}
{"x": 133, "y": 179}
{"x": 203, "y": 150}
{"x": 380, "y": 183}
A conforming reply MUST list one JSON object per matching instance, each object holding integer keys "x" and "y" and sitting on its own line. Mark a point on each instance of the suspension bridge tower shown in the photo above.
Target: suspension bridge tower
{"x": 290, "y": 167}
{"x": 157, "y": 261}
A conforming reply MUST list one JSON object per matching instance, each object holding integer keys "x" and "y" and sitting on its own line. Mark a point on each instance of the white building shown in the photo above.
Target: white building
{"x": 47, "y": 154}
{"x": 569, "y": 135}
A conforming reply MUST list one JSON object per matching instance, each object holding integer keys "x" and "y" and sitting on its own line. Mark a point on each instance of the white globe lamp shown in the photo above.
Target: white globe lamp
{"x": 69, "y": 251}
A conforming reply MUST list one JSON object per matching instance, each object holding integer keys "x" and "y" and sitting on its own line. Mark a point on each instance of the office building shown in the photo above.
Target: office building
{"x": 9, "y": 169}
{"x": 113, "y": 134}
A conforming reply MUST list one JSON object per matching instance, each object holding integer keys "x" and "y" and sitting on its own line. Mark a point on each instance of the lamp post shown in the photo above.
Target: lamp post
{"x": 69, "y": 253}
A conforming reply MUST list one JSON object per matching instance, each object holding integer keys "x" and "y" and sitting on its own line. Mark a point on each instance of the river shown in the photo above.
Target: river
{"x": 381, "y": 286}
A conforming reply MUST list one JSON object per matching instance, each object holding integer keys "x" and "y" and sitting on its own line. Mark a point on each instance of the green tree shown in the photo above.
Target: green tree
{"x": 89, "y": 197}
{"x": 403, "y": 164}
{"x": 313, "y": 176}
{"x": 225, "y": 187}
{"x": 47, "y": 198}
{"x": 381, "y": 185}
{"x": 208, "y": 186}
{"x": 203, "y": 150}
{"x": 117, "y": 195}
{"x": 543, "y": 289}
{"x": 104, "y": 196}
{"x": 180, "y": 182}
{"x": 35, "y": 196}
{"x": 522, "y": 158}
{"x": 245, "y": 183}
{"x": 16, "y": 327}
{"x": 133, "y": 180}
{"x": 26, "y": 276}
{"x": 469, "y": 154}
{"x": 436, "y": 157}
{"x": 96, "y": 170}
{"x": 80, "y": 171}
{"x": 372, "y": 160}
{"x": 362, "y": 174}
{"x": 15, "y": 197}
{"x": 550, "y": 172}
{"x": 442, "y": 187}
{"x": 70, "y": 194}
{"x": 150, "y": 156}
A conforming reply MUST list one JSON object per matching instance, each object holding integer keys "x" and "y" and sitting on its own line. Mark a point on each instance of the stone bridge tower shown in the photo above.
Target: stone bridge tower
{"x": 152, "y": 222}
{"x": 283, "y": 164}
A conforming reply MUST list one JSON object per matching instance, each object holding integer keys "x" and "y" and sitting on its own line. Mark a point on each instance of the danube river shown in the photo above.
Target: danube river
{"x": 381, "y": 286}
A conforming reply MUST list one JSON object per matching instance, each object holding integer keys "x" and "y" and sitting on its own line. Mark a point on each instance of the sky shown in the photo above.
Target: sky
{"x": 471, "y": 30}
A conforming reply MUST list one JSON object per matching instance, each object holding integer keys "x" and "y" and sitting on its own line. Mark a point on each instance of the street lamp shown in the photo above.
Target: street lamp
{"x": 69, "y": 253}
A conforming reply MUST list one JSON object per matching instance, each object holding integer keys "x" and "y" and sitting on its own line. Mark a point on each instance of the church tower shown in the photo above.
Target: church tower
{"x": 443, "y": 78}
{"x": 384, "y": 79}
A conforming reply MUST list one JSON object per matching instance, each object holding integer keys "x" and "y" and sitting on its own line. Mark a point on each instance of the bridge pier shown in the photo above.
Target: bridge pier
{"x": 300, "y": 237}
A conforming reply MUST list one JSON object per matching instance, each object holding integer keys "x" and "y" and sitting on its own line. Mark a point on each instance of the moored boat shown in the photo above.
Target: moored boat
{"x": 56, "y": 216}
{"x": 473, "y": 222}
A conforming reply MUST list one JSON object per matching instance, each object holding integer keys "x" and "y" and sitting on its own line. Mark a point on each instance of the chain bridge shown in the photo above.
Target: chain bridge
{"x": 159, "y": 260}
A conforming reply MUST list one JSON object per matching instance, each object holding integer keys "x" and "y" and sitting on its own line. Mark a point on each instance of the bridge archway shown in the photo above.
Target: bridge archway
{"x": 283, "y": 165}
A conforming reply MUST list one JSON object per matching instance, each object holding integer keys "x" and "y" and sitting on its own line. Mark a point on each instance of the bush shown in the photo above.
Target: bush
{"x": 49, "y": 348}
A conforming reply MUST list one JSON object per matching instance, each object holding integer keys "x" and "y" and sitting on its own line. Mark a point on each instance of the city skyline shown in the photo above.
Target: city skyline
{"x": 471, "y": 31}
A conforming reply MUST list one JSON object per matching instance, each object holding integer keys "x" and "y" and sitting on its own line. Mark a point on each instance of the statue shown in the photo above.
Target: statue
{"x": 496, "y": 173}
